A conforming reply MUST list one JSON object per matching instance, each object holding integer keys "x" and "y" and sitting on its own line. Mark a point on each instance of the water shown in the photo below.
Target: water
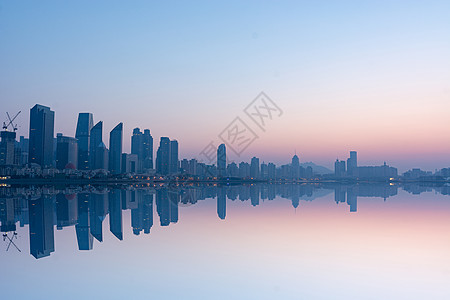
{"x": 232, "y": 242}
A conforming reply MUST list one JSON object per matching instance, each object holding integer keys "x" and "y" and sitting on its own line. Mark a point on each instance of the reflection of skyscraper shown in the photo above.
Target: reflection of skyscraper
{"x": 221, "y": 160}
{"x": 42, "y": 240}
{"x": 84, "y": 126}
{"x": 84, "y": 236}
{"x": 42, "y": 121}
{"x": 221, "y": 203}
{"x": 163, "y": 206}
{"x": 174, "y": 198}
{"x": 115, "y": 214}
{"x": 66, "y": 210}
{"x": 95, "y": 139}
{"x": 352, "y": 199}
{"x": 115, "y": 149}
{"x": 98, "y": 209}
{"x": 254, "y": 195}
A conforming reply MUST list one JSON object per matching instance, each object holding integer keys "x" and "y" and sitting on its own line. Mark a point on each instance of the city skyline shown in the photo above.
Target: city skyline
{"x": 372, "y": 76}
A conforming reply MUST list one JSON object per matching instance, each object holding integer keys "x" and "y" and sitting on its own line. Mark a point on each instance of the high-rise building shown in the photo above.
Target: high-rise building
{"x": 352, "y": 164}
{"x": 271, "y": 171}
{"x": 101, "y": 158}
{"x": 295, "y": 167}
{"x": 95, "y": 140}
{"x": 115, "y": 149}
{"x": 173, "y": 161}
{"x": 221, "y": 160}
{"x": 339, "y": 168}
{"x": 142, "y": 146}
{"x": 254, "y": 168}
{"x": 66, "y": 152}
{"x": 82, "y": 134}
{"x": 42, "y": 121}
{"x": 147, "y": 150}
{"x": 163, "y": 156}
{"x": 8, "y": 149}
{"x": 24, "y": 145}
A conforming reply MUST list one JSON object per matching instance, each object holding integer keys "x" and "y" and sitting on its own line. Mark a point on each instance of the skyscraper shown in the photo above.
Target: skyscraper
{"x": 254, "y": 168}
{"x": 295, "y": 167}
{"x": 82, "y": 134}
{"x": 66, "y": 151}
{"x": 221, "y": 160}
{"x": 173, "y": 161}
{"x": 8, "y": 148}
{"x": 352, "y": 164}
{"x": 142, "y": 146}
{"x": 42, "y": 122}
{"x": 115, "y": 149}
{"x": 163, "y": 156}
{"x": 95, "y": 139}
{"x": 147, "y": 150}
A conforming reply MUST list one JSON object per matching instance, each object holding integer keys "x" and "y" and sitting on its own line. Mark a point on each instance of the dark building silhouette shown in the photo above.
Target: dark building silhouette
{"x": 352, "y": 164}
{"x": 96, "y": 140}
{"x": 163, "y": 156}
{"x": 42, "y": 121}
{"x": 115, "y": 149}
{"x": 221, "y": 160}
{"x": 82, "y": 134}
{"x": 8, "y": 150}
{"x": 254, "y": 168}
{"x": 142, "y": 146}
{"x": 66, "y": 152}
{"x": 42, "y": 239}
{"x": 173, "y": 160}
{"x": 295, "y": 167}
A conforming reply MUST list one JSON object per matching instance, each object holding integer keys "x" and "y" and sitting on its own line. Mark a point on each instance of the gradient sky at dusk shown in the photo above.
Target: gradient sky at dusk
{"x": 349, "y": 75}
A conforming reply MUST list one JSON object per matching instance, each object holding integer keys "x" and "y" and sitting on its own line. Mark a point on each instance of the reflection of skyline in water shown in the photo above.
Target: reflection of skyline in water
{"x": 43, "y": 209}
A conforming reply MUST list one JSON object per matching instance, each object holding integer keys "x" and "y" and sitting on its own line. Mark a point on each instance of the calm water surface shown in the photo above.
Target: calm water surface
{"x": 229, "y": 242}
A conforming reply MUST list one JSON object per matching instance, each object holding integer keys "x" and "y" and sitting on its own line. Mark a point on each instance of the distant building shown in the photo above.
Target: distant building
{"x": 130, "y": 163}
{"x": 339, "y": 168}
{"x": 221, "y": 160}
{"x": 295, "y": 167}
{"x": 66, "y": 152}
{"x": 352, "y": 164}
{"x": 115, "y": 149}
{"x": 254, "y": 168}
{"x": 42, "y": 122}
{"x": 83, "y": 132}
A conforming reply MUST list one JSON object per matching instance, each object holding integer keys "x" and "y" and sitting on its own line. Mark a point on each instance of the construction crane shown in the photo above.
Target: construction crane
{"x": 11, "y": 240}
{"x": 10, "y": 122}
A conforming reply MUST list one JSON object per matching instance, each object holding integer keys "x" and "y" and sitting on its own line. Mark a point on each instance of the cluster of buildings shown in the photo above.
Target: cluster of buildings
{"x": 86, "y": 155}
{"x": 350, "y": 170}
